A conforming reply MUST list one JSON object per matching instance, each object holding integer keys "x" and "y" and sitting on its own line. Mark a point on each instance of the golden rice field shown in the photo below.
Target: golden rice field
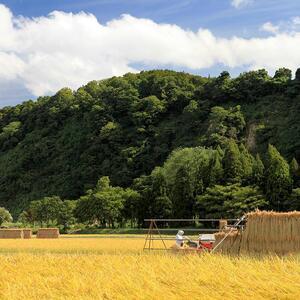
{"x": 115, "y": 268}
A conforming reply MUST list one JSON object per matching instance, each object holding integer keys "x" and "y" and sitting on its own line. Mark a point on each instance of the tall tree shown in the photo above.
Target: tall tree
{"x": 229, "y": 201}
{"x": 258, "y": 170}
{"x": 295, "y": 172}
{"x": 5, "y": 216}
{"x": 247, "y": 161}
{"x": 278, "y": 183}
{"x": 182, "y": 195}
{"x": 233, "y": 167}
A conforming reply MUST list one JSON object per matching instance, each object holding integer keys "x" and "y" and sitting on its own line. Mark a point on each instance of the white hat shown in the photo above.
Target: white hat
{"x": 181, "y": 232}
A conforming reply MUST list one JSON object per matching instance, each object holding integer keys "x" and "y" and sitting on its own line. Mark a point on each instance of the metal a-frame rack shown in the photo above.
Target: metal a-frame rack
{"x": 154, "y": 232}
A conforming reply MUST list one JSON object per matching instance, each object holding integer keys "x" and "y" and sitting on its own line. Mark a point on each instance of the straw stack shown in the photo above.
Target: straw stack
{"x": 231, "y": 245}
{"x": 11, "y": 233}
{"x": 27, "y": 233}
{"x": 271, "y": 232}
{"x": 48, "y": 233}
{"x": 222, "y": 224}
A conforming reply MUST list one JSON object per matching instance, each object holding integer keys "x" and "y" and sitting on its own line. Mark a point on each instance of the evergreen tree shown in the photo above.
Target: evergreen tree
{"x": 294, "y": 200}
{"x": 233, "y": 167}
{"x": 215, "y": 170}
{"x": 258, "y": 170}
{"x": 182, "y": 195}
{"x": 295, "y": 171}
{"x": 220, "y": 151}
{"x": 229, "y": 201}
{"x": 278, "y": 179}
{"x": 247, "y": 161}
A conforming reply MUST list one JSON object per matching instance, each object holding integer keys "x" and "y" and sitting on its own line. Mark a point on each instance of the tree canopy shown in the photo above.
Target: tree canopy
{"x": 163, "y": 138}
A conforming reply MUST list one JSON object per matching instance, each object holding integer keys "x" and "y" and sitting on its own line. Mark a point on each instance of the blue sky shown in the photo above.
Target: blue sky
{"x": 217, "y": 15}
{"x": 247, "y": 19}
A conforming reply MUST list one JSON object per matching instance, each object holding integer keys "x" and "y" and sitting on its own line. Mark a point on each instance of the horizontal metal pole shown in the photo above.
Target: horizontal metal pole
{"x": 188, "y": 220}
{"x": 184, "y": 229}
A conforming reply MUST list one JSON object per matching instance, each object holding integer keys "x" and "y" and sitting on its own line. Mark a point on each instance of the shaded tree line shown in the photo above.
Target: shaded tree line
{"x": 129, "y": 128}
{"x": 193, "y": 182}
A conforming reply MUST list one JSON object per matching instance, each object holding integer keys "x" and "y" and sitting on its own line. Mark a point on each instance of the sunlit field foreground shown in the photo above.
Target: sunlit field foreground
{"x": 95, "y": 268}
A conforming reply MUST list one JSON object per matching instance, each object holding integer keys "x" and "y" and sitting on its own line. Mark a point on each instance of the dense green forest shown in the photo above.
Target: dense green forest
{"x": 158, "y": 143}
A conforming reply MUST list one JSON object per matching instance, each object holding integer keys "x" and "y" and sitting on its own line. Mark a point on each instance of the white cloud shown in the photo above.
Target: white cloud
{"x": 48, "y": 53}
{"x": 240, "y": 3}
{"x": 296, "y": 20}
{"x": 269, "y": 27}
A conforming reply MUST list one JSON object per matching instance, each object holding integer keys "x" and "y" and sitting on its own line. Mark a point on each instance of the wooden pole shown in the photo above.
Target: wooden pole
{"x": 160, "y": 235}
{"x": 147, "y": 236}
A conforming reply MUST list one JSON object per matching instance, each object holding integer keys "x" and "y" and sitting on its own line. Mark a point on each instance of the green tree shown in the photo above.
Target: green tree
{"x": 104, "y": 205}
{"x": 182, "y": 195}
{"x": 293, "y": 203}
{"x": 130, "y": 210}
{"x": 247, "y": 161}
{"x": 66, "y": 214}
{"x": 295, "y": 172}
{"x": 154, "y": 201}
{"x": 229, "y": 201}
{"x": 5, "y": 216}
{"x": 83, "y": 211}
{"x": 225, "y": 124}
{"x": 107, "y": 206}
{"x": 278, "y": 183}
{"x": 44, "y": 211}
{"x": 233, "y": 166}
{"x": 258, "y": 171}
{"x": 215, "y": 172}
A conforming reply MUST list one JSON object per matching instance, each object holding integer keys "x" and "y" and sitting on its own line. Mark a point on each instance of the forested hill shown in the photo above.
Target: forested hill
{"x": 124, "y": 127}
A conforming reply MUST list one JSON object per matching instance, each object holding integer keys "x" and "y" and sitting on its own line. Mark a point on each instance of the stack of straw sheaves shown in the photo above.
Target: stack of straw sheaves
{"x": 265, "y": 232}
{"x": 48, "y": 233}
{"x": 271, "y": 232}
{"x": 231, "y": 244}
{"x": 27, "y": 233}
{"x": 11, "y": 233}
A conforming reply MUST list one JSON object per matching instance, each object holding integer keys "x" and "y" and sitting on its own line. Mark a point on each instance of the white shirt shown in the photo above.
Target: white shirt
{"x": 179, "y": 239}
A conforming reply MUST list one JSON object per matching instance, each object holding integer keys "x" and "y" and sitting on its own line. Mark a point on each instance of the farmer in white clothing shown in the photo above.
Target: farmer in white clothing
{"x": 180, "y": 238}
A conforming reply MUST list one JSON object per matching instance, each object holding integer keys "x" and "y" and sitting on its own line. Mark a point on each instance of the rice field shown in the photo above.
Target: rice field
{"x": 117, "y": 268}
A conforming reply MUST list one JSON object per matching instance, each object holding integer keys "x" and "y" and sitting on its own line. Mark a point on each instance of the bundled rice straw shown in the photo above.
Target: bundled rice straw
{"x": 265, "y": 233}
{"x": 222, "y": 224}
{"x": 11, "y": 233}
{"x": 231, "y": 245}
{"x": 27, "y": 233}
{"x": 48, "y": 233}
{"x": 271, "y": 232}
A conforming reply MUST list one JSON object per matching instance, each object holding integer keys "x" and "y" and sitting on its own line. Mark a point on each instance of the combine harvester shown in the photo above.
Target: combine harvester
{"x": 259, "y": 232}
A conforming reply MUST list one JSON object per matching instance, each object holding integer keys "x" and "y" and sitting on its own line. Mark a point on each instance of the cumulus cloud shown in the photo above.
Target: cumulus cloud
{"x": 296, "y": 20}
{"x": 240, "y": 3}
{"x": 65, "y": 49}
{"x": 269, "y": 27}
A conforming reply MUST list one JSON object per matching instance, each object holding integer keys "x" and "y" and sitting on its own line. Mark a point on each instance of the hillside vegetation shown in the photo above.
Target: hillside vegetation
{"x": 210, "y": 136}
